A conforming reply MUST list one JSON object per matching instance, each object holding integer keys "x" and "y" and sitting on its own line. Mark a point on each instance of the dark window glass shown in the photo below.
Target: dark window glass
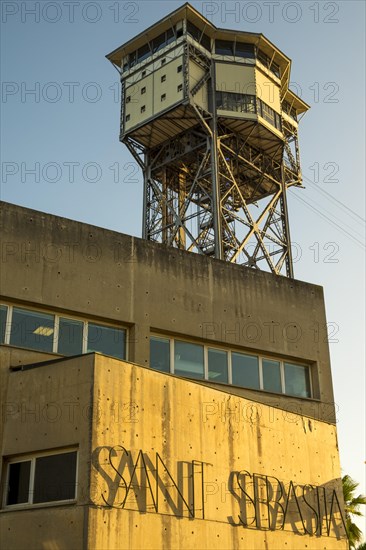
{"x": 179, "y": 33}
{"x": 55, "y": 478}
{"x": 107, "y": 340}
{"x": 230, "y": 101}
{"x": 18, "y": 485}
{"x": 3, "y": 314}
{"x": 269, "y": 114}
{"x": 193, "y": 31}
{"x": 245, "y": 370}
{"x": 143, "y": 52}
{"x": 297, "y": 380}
{"x": 160, "y": 354}
{"x": 133, "y": 57}
{"x": 275, "y": 69}
{"x": 263, "y": 58}
{"x": 223, "y": 47}
{"x": 206, "y": 42}
{"x": 70, "y": 337}
{"x": 31, "y": 329}
{"x": 271, "y": 375}
{"x": 217, "y": 366}
{"x": 244, "y": 50}
{"x": 158, "y": 42}
{"x": 188, "y": 360}
{"x": 169, "y": 36}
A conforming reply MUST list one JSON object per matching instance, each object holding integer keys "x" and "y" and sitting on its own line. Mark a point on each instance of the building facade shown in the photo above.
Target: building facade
{"x": 154, "y": 398}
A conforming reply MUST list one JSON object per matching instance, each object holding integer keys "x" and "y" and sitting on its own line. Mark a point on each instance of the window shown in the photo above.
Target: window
{"x": 128, "y": 99}
{"x": 32, "y": 329}
{"x": 199, "y": 361}
{"x": 163, "y": 78}
{"x": 143, "y": 90}
{"x": 160, "y": 354}
{"x": 163, "y": 61}
{"x": 163, "y": 40}
{"x": 297, "y": 380}
{"x": 266, "y": 112}
{"x": 163, "y": 97}
{"x": 217, "y": 366}
{"x": 198, "y": 35}
{"x": 245, "y": 370}
{"x": 188, "y": 359}
{"x": 271, "y": 375}
{"x": 180, "y": 88}
{"x": 224, "y": 47}
{"x": 70, "y": 337}
{"x": 59, "y": 334}
{"x": 231, "y": 101}
{"x": 128, "y": 117}
{"x": 41, "y": 478}
{"x": 143, "y": 109}
{"x": 143, "y": 53}
{"x": 244, "y": 50}
{"x": 265, "y": 60}
{"x": 3, "y": 315}
{"x": 107, "y": 340}
{"x": 180, "y": 69}
{"x": 143, "y": 74}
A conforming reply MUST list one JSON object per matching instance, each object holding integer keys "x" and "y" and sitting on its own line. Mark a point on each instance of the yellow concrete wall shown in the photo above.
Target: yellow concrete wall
{"x": 195, "y": 74}
{"x": 268, "y": 91}
{"x": 185, "y": 421}
{"x": 235, "y": 78}
{"x": 47, "y": 408}
{"x": 154, "y": 90}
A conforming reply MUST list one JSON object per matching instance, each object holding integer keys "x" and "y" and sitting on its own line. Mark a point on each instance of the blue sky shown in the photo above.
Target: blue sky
{"x": 67, "y": 130}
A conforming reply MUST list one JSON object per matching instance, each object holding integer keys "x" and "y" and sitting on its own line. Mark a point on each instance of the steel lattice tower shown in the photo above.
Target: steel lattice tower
{"x": 208, "y": 115}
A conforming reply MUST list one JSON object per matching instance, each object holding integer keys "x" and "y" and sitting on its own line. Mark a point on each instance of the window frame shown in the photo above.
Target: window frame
{"x": 230, "y": 351}
{"x": 32, "y": 457}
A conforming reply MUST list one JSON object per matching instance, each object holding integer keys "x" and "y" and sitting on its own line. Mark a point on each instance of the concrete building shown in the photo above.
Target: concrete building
{"x": 154, "y": 398}
{"x": 157, "y": 398}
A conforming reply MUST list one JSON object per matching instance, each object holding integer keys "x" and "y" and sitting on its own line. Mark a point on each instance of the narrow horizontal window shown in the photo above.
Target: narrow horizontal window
{"x": 199, "y": 361}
